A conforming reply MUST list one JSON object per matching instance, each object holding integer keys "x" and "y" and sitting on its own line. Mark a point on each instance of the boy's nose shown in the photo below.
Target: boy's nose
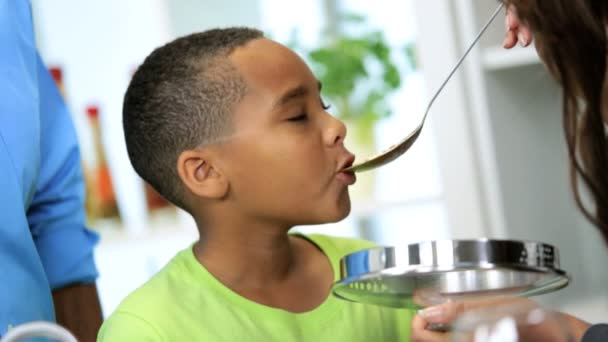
{"x": 336, "y": 131}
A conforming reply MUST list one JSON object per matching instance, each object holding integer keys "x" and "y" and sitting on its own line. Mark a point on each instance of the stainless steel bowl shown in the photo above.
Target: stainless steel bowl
{"x": 429, "y": 273}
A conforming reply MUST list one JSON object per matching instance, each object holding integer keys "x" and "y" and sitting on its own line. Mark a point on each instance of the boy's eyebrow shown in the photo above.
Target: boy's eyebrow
{"x": 294, "y": 93}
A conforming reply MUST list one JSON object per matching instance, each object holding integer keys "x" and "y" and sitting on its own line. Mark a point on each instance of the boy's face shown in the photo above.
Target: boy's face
{"x": 284, "y": 160}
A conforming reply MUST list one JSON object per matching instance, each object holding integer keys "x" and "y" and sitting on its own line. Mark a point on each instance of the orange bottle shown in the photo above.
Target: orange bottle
{"x": 154, "y": 199}
{"x": 103, "y": 196}
{"x": 57, "y": 74}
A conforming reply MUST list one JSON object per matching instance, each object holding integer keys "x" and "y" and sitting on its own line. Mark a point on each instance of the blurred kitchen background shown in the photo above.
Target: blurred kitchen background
{"x": 490, "y": 163}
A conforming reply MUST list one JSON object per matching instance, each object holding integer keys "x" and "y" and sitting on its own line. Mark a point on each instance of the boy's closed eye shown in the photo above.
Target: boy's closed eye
{"x": 304, "y": 116}
{"x": 299, "y": 117}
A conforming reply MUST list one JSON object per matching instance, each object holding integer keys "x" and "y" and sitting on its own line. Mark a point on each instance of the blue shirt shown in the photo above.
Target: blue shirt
{"x": 44, "y": 243}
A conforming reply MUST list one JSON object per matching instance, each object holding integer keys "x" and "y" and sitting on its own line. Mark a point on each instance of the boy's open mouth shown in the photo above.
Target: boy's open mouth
{"x": 347, "y": 177}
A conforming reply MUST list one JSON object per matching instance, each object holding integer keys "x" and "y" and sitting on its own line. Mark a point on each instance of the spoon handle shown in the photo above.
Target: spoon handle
{"x": 464, "y": 56}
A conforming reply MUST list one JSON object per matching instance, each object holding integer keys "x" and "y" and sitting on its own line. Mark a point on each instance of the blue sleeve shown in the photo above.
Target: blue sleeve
{"x": 56, "y": 214}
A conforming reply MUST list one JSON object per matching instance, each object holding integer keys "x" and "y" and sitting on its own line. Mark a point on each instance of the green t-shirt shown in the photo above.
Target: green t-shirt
{"x": 184, "y": 302}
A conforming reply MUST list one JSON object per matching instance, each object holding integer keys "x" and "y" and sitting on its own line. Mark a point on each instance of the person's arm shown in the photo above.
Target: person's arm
{"x": 77, "y": 308}
{"x": 57, "y": 218}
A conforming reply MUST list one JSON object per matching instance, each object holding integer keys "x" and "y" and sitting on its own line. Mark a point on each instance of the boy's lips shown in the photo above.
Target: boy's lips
{"x": 346, "y": 177}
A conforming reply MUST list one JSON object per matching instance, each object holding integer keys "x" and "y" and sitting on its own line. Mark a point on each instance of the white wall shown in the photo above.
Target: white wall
{"x": 188, "y": 16}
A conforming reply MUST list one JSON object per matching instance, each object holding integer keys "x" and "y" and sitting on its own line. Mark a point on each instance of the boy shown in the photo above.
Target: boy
{"x": 231, "y": 127}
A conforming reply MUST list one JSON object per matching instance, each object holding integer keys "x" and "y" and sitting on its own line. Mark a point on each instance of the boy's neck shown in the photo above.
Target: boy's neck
{"x": 266, "y": 265}
{"x": 247, "y": 258}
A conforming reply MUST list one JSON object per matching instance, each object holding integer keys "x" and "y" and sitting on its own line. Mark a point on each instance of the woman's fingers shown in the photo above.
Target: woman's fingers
{"x": 516, "y": 31}
{"x": 524, "y": 36}
{"x": 511, "y": 26}
{"x": 447, "y": 312}
{"x": 420, "y": 333}
{"x": 510, "y": 40}
{"x": 511, "y": 20}
{"x": 444, "y": 313}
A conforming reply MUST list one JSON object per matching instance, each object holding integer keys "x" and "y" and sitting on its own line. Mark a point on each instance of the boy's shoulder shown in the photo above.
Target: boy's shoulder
{"x": 149, "y": 304}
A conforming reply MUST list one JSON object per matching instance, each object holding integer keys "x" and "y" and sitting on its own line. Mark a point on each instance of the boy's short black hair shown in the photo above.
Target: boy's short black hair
{"x": 181, "y": 98}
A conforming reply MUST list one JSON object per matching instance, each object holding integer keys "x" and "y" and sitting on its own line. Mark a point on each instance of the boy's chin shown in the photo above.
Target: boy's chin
{"x": 334, "y": 216}
{"x": 339, "y": 214}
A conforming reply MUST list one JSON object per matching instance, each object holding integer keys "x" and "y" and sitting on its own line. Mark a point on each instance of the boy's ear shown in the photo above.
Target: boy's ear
{"x": 200, "y": 176}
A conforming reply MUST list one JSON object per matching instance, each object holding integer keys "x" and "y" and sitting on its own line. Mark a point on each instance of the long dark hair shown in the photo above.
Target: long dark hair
{"x": 570, "y": 36}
